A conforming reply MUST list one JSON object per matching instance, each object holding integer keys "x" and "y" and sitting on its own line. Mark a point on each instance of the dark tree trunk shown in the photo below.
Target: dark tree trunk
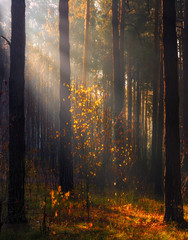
{"x": 185, "y": 85}
{"x": 159, "y": 164}
{"x": 129, "y": 93}
{"x": 105, "y": 168}
{"x": 155, "y": 91}
{"x": 142, "y": 122}
{"x": 86, "y": 36}
{"x": 146, "y": 124}
{"x": 119, "y": 91}
{"x": 16, "y": 206}
{"x": 173, "y": 197}
{"x": 65, "y": 158}
{"x": 138, "y": 101}
{"x": 157, "y": 109}
{"x": 116, "y": 59}
{"x": 122, "y": 62}
{"x": 2, "y": 67}
{"x": 2, "y": 71}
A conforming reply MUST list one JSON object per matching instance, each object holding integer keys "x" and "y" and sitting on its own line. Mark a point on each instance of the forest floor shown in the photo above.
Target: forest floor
{"x": 115, "y": 216}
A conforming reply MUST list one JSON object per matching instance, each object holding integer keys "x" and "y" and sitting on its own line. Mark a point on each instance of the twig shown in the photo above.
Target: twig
{"x": 8, "y": 42}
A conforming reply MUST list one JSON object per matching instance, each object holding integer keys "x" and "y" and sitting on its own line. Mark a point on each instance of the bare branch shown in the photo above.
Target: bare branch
{"x": 8, "y": 42}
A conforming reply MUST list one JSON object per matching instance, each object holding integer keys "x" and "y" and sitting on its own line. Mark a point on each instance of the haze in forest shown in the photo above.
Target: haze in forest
{"x": 93, "y": 119}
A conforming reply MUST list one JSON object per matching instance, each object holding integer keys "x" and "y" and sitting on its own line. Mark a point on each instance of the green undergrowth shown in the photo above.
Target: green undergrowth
{"x": 112, "y": 215}
{"x": 22, "y": 235}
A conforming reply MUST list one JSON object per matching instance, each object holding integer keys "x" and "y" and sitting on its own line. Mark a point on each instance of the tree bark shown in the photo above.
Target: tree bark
{"x": 129, "y": 93}
{"x": 65, "y": 156}
{"x": 156, "y": 78}
{"x": 173, "y": 197}
{"x": 16, "y": 205}
{"x": 159, "y": 164}
{"x": 116, "y": 58}
{"x": 138, "y": 101}
{"x": 86, "y": 37}
{"x": 185, "y": 85}
{"x": 122, "y": 62}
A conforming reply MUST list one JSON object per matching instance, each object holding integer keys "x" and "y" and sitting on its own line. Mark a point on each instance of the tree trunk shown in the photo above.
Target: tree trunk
{"x": 159, "y": 164}
{"x": 129, "y": 93}
{"x": 146, "y": 124}
{"x": 65, "y": 158}
{"x": 116, "y": 58}
{"x": 86, "y": 36}
{"x": 173, "y": 197}
{"x": 2, "y": 58}
{"x": 138, "y": 101}
{"x": 122, "y": 62}
{"x": 16, "y": 205}
{"x": 156, "y": 78}
{"x": 185, "y": 85}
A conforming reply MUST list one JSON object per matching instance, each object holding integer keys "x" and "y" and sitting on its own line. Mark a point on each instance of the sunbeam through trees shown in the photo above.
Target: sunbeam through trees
{"x": 93, "y": 119}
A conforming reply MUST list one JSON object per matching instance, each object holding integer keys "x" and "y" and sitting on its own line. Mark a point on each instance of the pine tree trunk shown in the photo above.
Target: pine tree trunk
{"x": 2, "y": 58}
{"x": 86, "y": 37}
{"x": 185, "y": 85}
{"x": 173, "y": 197}
{"x": 138, "y": 101}
{"x": 142, "y": 126}
{"x": 146, "y": 125}
{"x": 159, "y": 164}
{"x": 122, "y": 62}
{"x": 156, "y": 78}
{"x": 129, "y": 93}
{"x": 116, "y": 58}
{"x": 65, "y": 157}
{"x": 16, "y": 205}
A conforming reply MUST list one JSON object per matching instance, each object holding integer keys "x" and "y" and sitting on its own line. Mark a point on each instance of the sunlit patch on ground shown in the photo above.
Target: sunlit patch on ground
{"x": 121, "y": 222}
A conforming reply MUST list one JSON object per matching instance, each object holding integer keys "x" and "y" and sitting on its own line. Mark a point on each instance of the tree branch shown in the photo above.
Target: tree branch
{"x": 8, "y": 42}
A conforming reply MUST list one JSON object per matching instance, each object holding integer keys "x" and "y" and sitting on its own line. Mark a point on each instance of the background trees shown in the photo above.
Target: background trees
{"x": 94, "y": 97}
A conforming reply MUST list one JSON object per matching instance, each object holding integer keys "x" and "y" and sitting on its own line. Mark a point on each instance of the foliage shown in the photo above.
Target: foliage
{"x": 113, "y": 216}
{"x": 87, "y": 125}
{"x": 117, "y": 169}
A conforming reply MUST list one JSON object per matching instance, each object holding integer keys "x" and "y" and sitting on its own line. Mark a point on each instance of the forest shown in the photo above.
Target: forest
{"x": 93, "y": 119}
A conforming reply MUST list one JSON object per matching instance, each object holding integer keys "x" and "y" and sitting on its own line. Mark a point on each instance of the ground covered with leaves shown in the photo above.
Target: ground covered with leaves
{"x": 111, "y": 216}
